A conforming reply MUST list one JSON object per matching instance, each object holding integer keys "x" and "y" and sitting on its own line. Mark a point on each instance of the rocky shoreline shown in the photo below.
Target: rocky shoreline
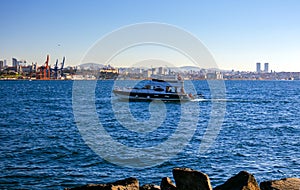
{"x": 188, "y": 179}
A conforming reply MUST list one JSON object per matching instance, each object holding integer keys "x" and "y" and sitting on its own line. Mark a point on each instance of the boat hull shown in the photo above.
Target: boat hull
{"x": 131, "y": 95}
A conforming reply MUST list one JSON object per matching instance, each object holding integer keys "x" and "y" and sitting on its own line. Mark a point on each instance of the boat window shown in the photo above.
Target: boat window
{"x": 158, "y": 88}
{"x": 171, "y": 89}
{"x": 147, "y": 87}
{"x": 168, "y": 89}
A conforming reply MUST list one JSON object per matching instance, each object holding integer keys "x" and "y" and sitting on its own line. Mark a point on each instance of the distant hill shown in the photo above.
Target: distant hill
{"x": 91, "y": 66}
{"x": 97, "y": 66}
{"x": 188, "y": 68}
{"x": 195, "y": 68}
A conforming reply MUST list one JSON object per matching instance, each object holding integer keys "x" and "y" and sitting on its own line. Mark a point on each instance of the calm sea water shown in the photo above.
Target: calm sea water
{"x": 41, "y": 146}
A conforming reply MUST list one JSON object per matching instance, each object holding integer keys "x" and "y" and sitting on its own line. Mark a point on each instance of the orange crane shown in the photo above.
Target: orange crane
{"x": 47, "y": 69}
{"x": 44, "y": 73}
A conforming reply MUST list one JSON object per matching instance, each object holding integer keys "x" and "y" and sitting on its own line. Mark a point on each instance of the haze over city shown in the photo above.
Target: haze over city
{"x": 237, "y": 33}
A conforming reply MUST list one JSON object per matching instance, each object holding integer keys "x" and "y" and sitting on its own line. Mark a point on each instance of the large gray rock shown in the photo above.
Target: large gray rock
{"x": 188, "y": 179}
{"x": 241, "y": 181}
{"x": 166, "y": 184}
{"x": 282, "y": 184}
{"x": 150, "y": 187}
{"x": 126, "y": 184}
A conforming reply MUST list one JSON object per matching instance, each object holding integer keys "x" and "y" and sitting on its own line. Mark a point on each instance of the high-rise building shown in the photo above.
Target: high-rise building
{"x": 161, "y": 71}
{"x": 15, "y": 62}
{"x": 4, "y": 63}
{"x": 258, "y": 69}
{"x": 266, "y": 70}
{"x": 147, "y": 73}
{"x": 1, "y": 65}
{"x": 153, "y": 71}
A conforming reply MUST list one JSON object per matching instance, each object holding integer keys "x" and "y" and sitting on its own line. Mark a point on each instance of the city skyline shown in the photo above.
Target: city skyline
{"x": 238, "y": 34}
{"x": 265, "y": 68}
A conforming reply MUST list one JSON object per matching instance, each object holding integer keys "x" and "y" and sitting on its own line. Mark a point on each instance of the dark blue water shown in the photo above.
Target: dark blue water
{"x": 41, "y": 146}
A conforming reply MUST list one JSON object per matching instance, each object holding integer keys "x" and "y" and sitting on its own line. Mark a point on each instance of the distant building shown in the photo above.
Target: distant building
{"x": 11, "y": 70}
{"x": 160, "y": 71}
{"x": 22, "y": 63}
{"x": 147, "y": 73}
{"x": 214, "y": 76}
{"x": 153, "y": 71}
{"x": 136, "y": 70}
{"x": 1, "y": 65}
{"x": 258, "y": 67}
{"x": 4, "y": 63}
{"x": 266, "y": 70}
{"x": 15, "y": 62}
{"x": 26, "y": 69}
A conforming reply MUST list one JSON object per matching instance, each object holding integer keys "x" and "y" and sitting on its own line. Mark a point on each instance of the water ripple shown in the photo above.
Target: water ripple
{"x": 41, "y": 147}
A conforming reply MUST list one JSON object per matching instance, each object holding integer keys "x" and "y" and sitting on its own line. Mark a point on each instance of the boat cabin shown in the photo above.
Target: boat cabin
{"x": 171, "y": 86}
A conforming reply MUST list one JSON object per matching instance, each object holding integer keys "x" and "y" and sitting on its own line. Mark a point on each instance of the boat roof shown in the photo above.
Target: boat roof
{"x": 160, "y": 82}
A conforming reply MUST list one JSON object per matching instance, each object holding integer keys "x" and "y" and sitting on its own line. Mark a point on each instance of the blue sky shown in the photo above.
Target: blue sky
{"x": 237, "y": 33}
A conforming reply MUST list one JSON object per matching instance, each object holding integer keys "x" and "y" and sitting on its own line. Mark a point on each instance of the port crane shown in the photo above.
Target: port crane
{"x": 56, "y": 71}
{"x": 44, "y": 71}
{"x": 62, "y": 68}
{"x": 47, "y": 69}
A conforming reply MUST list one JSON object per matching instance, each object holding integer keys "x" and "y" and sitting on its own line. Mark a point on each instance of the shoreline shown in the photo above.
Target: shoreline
{"x": 15, "y": 79}
{"x": 189, "y": 179}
